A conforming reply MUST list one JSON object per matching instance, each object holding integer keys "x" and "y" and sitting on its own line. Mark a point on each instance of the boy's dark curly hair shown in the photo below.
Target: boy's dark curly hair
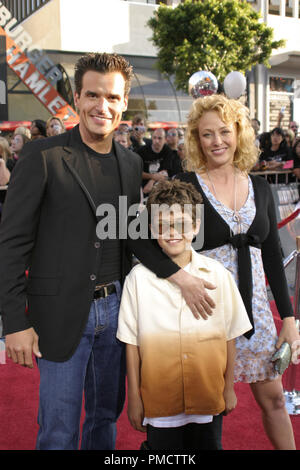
{"x": 174, "y": 192}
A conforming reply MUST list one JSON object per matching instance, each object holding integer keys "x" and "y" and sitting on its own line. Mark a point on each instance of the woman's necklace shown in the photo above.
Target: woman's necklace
{"x": 236, "y": 216}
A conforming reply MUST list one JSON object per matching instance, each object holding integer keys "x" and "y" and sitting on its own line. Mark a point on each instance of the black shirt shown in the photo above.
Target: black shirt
{"x": 176, "y": 164}
{"x": 296, "y": 160}
{"x": 10, "y": 164}
{"x": 108, "y": 189}
{"x": 155, "y": 162}
{"x": 136, "y": 145}
{"x": 280, "y": 155}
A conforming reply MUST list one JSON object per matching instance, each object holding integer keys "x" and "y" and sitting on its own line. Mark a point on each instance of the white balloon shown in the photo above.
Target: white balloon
{"x": 234, "y": 85}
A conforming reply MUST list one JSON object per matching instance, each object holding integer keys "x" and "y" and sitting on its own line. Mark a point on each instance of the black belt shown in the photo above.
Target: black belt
{"x": 104, "y": 290}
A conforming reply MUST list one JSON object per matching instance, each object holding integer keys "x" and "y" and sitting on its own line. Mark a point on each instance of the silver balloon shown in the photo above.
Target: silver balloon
{"x": 202, "y": 83}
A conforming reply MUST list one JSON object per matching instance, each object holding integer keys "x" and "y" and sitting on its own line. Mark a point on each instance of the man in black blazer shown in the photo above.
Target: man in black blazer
{"x": 66, "y": 311}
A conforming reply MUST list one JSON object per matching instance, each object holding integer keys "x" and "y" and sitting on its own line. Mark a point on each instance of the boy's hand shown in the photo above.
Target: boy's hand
{"x": 230, "y": 400}
{"x": 135, "y": 412}
{"x": 194, "y": 292}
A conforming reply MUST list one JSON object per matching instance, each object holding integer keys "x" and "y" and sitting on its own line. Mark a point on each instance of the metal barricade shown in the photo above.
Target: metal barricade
{"x": 274, "y": 174}
{"x": 292, "y": 396}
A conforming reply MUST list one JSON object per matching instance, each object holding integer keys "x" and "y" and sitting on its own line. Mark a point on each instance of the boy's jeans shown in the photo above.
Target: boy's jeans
{"x": 98, "y": 368}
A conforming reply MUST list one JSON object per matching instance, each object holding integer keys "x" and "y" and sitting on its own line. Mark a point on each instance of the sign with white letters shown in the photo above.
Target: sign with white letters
{"x": 35, "y": 69}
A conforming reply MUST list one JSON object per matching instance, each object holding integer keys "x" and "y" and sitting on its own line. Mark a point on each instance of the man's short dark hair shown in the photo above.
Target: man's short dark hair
{"x": 102, "y": 63}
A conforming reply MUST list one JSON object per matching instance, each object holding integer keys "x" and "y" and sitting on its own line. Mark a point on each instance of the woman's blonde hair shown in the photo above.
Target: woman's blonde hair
{"x": 230, "y": 111}
{"x": 4, "y": 146}
{"x": 52, "y": 118}
{"x": 22, "y": 130}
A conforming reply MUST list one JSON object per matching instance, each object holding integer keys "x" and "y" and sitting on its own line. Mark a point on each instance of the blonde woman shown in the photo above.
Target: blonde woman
{"x": 123, "y": 138}
{"x": 17, "y": 143}
{"x": 240, "y": 231}
{"x": 23, "y": 130}
{"x": 4, "y": 156}
{"x": 54, "y": 126}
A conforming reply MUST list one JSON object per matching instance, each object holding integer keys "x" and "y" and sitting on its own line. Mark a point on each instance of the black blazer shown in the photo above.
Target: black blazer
{"x": 49, "y": 225}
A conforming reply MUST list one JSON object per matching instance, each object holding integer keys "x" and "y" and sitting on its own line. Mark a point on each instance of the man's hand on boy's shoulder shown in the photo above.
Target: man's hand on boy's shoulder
{"x": 194, "y": 292}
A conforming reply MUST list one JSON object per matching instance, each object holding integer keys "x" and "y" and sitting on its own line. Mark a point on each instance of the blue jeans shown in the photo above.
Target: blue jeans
{"x": 97, "y": 369}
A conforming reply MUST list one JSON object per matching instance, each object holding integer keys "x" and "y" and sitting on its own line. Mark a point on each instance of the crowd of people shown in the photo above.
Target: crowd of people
{"x": 162, "y": 153}
{"x": 277, "y": 148}
{"x": 162, "y": 150}
{"x": 12, "y": 145}
{"x": 188, "y": 325}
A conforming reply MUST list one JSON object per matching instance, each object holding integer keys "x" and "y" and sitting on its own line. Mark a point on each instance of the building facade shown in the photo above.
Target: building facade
{"x": 65, "y": 33}
{"x": 277, "y": 88}
{"x": 65, "y": 29}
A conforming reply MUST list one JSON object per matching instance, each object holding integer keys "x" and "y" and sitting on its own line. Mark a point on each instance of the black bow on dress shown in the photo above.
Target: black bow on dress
{"x": 242, "y": 241}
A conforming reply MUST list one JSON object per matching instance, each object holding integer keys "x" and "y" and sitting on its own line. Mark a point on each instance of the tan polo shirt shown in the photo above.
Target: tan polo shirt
{"x": 183, "y": 360}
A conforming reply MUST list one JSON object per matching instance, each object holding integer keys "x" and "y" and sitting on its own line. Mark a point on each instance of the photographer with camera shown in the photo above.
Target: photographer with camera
{"x": 137, "y": 136}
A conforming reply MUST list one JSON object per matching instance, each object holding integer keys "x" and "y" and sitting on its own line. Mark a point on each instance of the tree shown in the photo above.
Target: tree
{"x": 219, "y": 36}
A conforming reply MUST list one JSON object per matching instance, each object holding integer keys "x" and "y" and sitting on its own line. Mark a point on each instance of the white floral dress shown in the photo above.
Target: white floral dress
{"x": 253, "y": 356}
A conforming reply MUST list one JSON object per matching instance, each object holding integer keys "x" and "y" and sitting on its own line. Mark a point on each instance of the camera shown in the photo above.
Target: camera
{"x": 139, "y": 128}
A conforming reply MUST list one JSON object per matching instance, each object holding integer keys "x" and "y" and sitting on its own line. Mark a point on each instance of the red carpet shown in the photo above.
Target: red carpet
{"x": 18, "y": 410}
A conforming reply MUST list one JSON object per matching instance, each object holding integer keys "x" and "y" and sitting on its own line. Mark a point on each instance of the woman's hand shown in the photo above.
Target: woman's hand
{"x": 290, "y": 333}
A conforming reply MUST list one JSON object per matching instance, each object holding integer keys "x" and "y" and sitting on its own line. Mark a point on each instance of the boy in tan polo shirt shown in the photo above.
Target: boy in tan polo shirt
{"x": 179, "y": 368}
